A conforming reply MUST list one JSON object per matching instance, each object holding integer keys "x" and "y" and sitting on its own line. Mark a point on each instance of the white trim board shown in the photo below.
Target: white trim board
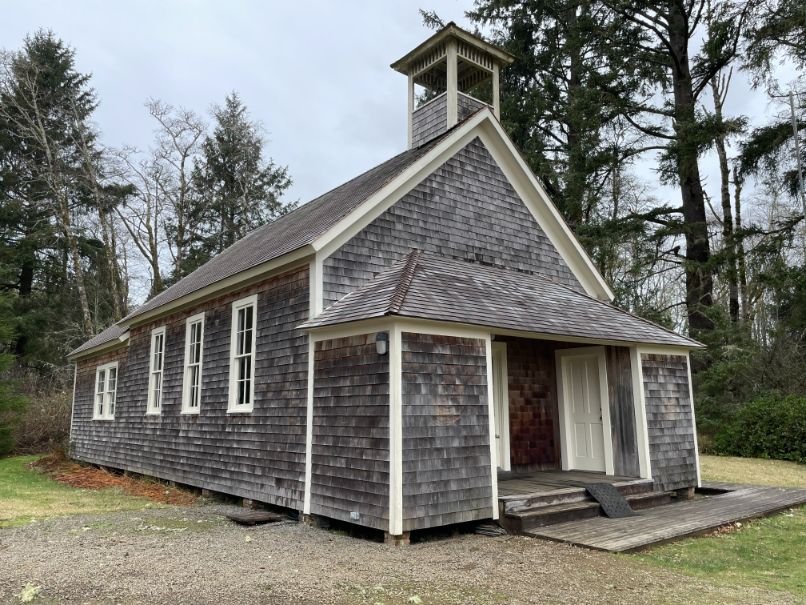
{"x": 395, "y": 431}
{"x": 488, "y": 349}
{"x": 502, "y": 381}
{"x": 693, "y": 420}
{"x": 641, "y": 427}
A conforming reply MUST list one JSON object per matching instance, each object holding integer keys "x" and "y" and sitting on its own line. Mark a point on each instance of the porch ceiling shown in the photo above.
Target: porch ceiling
{"x": 427, "y": 286}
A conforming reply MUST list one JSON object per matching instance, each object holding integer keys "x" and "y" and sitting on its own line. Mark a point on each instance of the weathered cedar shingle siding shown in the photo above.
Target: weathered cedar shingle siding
{"x": 669, "y": 421}
{"x": 429, "y": 121}
{"x": 260, "y": 455}
{"x": 467, "y": 105}
{"x": 533, "y": 411}
{"x": 466, "y": 209}
{"x": 350, "y": 462}
{"x": 622, "y": 412}
{"x": 446, "y": 437}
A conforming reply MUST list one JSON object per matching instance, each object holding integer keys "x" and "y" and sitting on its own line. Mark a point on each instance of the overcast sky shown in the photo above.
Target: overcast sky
{"x": 314, "y": 73}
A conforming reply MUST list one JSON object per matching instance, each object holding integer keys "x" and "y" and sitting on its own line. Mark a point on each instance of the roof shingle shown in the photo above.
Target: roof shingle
{"x": 442, "y": 289}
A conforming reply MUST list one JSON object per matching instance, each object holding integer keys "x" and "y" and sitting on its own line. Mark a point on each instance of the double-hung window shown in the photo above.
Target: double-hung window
{"x": 156, "y": 363}
{"x": 242, "y": 355}
{"x": 194, "y": 351}
{"x": 106, "y": 384}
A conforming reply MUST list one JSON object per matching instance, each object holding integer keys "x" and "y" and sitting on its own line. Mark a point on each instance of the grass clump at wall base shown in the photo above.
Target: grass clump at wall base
{"x": 769, "y": 427}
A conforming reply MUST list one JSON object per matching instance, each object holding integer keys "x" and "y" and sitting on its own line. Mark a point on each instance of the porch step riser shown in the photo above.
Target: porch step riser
{"x": 566, "y": 496}
{"x": 542, "y": 516}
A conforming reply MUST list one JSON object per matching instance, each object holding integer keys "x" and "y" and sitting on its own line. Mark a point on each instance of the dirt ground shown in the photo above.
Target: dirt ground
{"x": 193, "y": 555}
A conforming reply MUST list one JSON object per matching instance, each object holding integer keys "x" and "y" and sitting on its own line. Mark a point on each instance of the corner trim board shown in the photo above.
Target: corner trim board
{"x": 395, "y": 431}
{"x": 306, "y": 502}
{"x": 488, "y": 349}
{"x": 693, "y": 420}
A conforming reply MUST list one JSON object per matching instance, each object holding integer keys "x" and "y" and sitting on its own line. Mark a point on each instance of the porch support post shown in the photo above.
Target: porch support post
{"x": 693, "y": 419}
{"x": 306, "y": 503}
{"x": 641, "y": 429}
{"x": 488, "y": 345}
{"x": 395, "y": 431}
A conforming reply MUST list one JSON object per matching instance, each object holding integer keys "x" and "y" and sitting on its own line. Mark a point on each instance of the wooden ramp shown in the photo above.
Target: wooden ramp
{"x": 672, "y": 521}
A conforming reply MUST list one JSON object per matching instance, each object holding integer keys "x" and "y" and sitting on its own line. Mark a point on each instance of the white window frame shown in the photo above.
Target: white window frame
{"x": 154, "y": 406}
{"x": 109, "y": 397}
{"x": 234, "y": 407}
{"x": 187, "y": 386}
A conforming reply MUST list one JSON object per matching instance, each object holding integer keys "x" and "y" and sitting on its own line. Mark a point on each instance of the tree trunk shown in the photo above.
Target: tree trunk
{"x": 111, "y": 260}
{"x": 727, "y": 214}
{"x": 740, "y": 254}
{"x": 75, "y": 257}
{"x": 699, "y": 280}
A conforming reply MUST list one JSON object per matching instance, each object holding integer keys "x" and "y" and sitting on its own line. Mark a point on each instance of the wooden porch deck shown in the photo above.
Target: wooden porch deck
{"x": 672, "y": 521}
{"x": 516, "y": 484}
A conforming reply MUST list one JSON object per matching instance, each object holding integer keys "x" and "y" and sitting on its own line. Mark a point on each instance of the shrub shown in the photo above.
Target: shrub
{"x": 769, "y": 427}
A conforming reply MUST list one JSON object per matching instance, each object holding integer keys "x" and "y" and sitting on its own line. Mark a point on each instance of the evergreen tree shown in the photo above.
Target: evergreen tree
{"x": 236, "y": 189}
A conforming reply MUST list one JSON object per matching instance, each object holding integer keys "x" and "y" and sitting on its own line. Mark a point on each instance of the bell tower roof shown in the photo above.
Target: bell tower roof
{"x": 460, "y": 73}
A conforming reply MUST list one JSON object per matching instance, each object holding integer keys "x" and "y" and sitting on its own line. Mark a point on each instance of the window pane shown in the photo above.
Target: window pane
{"x": 247, "y": 391}
{"x": 112, "y": 400}
{"x": 101, "y": 377}
{"x": 247, "y": 338}
{"x": 113, "y": 379}
{"x": 249, "y": 317}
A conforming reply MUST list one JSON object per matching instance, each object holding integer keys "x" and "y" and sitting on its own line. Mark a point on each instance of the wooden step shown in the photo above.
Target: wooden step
{"x": 649, "y": 500}
{"x": 549, "y": 515}
{"x": 568, "y": 495}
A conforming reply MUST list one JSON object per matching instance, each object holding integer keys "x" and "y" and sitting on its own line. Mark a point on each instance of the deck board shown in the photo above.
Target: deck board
{"x": 511, "y": 484}
{"x": 664, "y": 523}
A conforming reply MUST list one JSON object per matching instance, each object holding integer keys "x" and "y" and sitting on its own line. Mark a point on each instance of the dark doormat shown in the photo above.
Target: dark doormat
{"x": 255, "y": 517}
{"x": 613, "y": 504}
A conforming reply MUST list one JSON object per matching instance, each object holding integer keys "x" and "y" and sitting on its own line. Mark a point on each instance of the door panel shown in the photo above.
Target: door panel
{"x": 585, "y": 406}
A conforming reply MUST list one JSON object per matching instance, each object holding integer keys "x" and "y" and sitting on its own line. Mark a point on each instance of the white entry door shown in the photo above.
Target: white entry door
{"x": 501, "y": 404}
{"x": 587, "y": 429}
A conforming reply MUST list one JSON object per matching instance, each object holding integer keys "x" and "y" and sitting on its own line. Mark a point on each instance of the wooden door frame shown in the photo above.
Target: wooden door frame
{"x": 503, "y": 421}
{"x": 566, "y": 436}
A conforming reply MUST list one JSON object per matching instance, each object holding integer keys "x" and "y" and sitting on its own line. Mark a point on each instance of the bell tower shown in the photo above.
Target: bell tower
{"x": 458, "y": 73}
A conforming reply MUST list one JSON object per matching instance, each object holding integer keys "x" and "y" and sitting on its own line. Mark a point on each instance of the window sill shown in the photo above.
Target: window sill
{"x": 240, "y": 410}
{"x": 103, "y": 418}
{"x": 189, "y": 413}
{"x": 153, "y": 413}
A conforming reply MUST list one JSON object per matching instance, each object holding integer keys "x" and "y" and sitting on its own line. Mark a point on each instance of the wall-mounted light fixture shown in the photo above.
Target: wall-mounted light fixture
{"x": 382, "y": 342}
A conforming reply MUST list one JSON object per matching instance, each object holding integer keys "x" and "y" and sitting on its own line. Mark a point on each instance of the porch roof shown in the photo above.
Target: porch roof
{"x": 428, "y": 286}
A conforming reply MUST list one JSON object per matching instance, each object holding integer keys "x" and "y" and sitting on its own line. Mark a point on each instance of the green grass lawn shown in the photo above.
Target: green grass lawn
{"x": 26, "y": 494}
{"x": 767, "y": 553}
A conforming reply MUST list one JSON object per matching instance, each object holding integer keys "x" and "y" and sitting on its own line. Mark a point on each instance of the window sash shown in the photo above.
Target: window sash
{"x": 194, "y": 353}
{"x": 155, "y": 385}
{"x": 106, "y": 382}
{"x": 242, "y": 358}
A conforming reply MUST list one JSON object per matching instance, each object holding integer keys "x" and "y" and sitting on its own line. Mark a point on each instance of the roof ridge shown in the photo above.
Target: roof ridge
{"x": 402, "y": 287}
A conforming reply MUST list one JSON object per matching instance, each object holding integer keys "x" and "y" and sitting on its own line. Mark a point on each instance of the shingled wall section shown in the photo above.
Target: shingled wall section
{"x": 350, "y": 456}
{"x": 446, "y": 436}
{"x": 260, "y": 455}
{"x": 669, "y": 421}
{"x": 466, "y": 209}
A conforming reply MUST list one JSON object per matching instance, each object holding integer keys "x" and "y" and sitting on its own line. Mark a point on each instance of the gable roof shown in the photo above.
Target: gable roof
{"x": 111, "y": 335}
{"x": 324, "y": 221}
{"x": 428, "y": 286}
{"x": 290, "y": 232}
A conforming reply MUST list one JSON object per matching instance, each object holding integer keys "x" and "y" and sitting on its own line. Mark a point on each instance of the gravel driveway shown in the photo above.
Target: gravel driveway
{"x": 192, "y": 555}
